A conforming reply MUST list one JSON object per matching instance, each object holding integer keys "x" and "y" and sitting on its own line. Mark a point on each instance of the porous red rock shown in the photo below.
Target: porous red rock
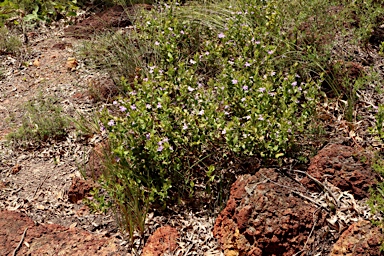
{"x": 345, "y": 167}
{"x": 79, "y": 189}
{"x": 264, "y": 217}
{"x": 361, "y": 238}
{"x": 163, "y": 240}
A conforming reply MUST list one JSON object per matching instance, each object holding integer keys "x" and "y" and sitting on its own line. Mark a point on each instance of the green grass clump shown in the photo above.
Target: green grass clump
{"x": 43, "y": 120}
{"x": 9, "y": 43}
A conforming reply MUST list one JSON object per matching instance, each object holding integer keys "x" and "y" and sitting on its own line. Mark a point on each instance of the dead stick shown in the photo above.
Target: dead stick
{"x": 321, "y": 185}
{"x": 37, "y": 189}
{"x": 309, "y": 199}
{"x": 21, "y": 242}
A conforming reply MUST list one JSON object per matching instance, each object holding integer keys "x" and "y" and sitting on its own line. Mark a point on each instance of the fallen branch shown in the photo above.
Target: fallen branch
{"x": 37, "y": 189}
{"x": 321, "y": 185}
{"x": 20, "y": 243}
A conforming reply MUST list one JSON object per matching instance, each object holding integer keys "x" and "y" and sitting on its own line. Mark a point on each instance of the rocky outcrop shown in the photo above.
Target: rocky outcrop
{"x": 79, "y": 189}
{"x": 163, "y": 240}
{"x": 264, "y": 217}
{"x": 272, "y": 213}
{"x": 361, "y": 238}
{"x": 49, "y": 239}
{"x": 347, "y": 168}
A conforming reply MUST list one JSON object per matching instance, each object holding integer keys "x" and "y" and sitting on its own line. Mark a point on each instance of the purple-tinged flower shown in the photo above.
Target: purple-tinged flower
{"x": 223, "y": 132}
{"x": 289, "y": 130}
{"x": 243, "y": 99}
{"x": 294, "y": 83}
{"x": 170, "y": 29}
{"x": 145, "y": 79}
{"x": 221, "y": 35}
{"x": 247, "y": 64}
{"x": 114, "y": 102}
{"x": 148, "y": 136}
{"x": 257, "y": 42}
{"x": 102, "y": 128}
{"x": 245, "y": 88}
{"x": 272, "y": 94}
{"x": 165, "y": 139}
{"x": 117, "y": 159}
{"x": 231, "y": 62}
{"x": 199, "y": 85}
{"x": 296, "y": 75}
{"x": 148, "y": 106}
{"x": 133, "y": 107}
{"x": 270, "y": 52}
{"x": 160, "y": 148}
{"x": 123, "y": 109}
{"x": 226, "y": 106}
{"x": 192, "y": 61}
{"x": 171, "y": 148}
{"x": 234, "y": 81}
{"x": 299, "y": 88}
{"x": 201, "y": 112}
{"x": 159, "y": 105}
{"x": 185, "y": 127}
{"x": 190, "y": 89}
{"x": 226, "y": 113}
{"x": 111, "y": 122}
{"x": 247, "y": 117}
{"x": 206, "y": 53}
{"x": 261, "y": 118}
{"x": 182, "y": 32}
{"x": 273, "y": 73}
{"x": 262, "y": 89}
{"x": 157, "y": 43}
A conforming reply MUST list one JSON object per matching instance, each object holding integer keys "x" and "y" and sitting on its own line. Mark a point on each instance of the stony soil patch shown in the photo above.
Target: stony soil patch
{"x": 50, "y": 239}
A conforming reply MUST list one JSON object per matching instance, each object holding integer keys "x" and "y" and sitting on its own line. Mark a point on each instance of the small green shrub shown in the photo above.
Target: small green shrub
{"x": 208, "y": 92}
{"x": 376, "y": 200}
{"x": 43, "y": 120}
{"x": 208, "y": 86}
{"x": 41, "y": 10}
{"x": 9, "y": 43}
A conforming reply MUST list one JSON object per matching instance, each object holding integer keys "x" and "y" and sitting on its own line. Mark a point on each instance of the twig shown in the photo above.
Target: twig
{"x": 311, "y": 200}
{"x": 321, "y": 185}
{"x": 294, "y": 191}
{"x": 37, "y": 189}
{"x": 20, "y": 243}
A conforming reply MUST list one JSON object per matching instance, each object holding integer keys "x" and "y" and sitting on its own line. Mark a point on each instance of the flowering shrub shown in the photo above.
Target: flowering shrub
{"x": 208, "y": 93}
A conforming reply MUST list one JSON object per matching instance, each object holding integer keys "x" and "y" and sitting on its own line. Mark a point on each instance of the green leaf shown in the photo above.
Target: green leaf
{"x": 279, "y": 155}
